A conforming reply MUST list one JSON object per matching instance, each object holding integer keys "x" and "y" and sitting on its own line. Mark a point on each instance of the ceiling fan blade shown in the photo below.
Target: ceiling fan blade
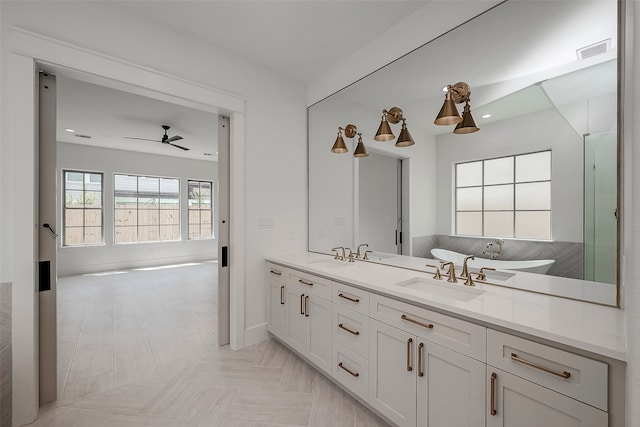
{"x": 141, "y": 139}
{"x": 174, "y": 138}
{"x": 180, "y": 147}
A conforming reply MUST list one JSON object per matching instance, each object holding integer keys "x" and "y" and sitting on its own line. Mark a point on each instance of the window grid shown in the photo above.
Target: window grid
{"x": 514, "y": 211}
{"x": 200, "y": 204}
{"x": 146, "y": 214}
{"x": 83, "y": 208}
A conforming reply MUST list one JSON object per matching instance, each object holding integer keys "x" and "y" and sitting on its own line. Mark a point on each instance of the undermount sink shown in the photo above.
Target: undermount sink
{"x": 452, "y": 291}
{"x": 331, "y": 263}
{"x": 379, "y": 256}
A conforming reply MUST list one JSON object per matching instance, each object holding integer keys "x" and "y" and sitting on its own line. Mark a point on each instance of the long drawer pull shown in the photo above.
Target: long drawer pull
{"x": 348, "y": 298}
{"x": 424, "y": 325}
{"x": 281, "y": 294}
{"x": 302, "y": 304}
{"x": 277, "y": 273}
{"x": 409, "y": 341}
{"x": 354, "y": 374}
{"x": 306, "y": 306}
{"x": 341, "y": 326}
{"x": 304, "y": 282}
{"x": 492, "y": 410}
{"x": 563, "y": 374}
{"x": 420, "y": 347}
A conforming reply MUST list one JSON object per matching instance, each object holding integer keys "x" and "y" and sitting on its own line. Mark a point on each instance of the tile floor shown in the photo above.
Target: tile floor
{"x": 140, "y": 348}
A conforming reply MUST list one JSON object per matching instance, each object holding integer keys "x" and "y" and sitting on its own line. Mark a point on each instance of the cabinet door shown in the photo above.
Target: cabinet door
{"x": 277, "y": 309}
{"x": 518, "y": 402}
{"x": 450, "y": 387}
{"x": 318, "y": 311}
{"x": 392, "y": 373}
{"x": 297, "y": 324}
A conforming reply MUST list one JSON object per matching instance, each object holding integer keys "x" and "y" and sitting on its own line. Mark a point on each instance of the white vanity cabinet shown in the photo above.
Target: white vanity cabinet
{"x": 308, "y": 317}
{"x": 415, "y": 381}
{"x": 277, "y": 306}
{"x": 531, "y": 384}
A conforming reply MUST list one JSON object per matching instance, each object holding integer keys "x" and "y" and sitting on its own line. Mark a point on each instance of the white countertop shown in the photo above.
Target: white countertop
{"x": 585, "y": 326}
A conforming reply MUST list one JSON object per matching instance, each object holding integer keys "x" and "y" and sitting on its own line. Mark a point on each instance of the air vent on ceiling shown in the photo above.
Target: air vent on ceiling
{"x": 594, "y": 49}
{"x": 79, "y": 135}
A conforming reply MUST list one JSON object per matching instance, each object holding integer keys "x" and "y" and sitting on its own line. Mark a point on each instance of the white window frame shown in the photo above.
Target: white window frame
{"x": 83, "y": 208}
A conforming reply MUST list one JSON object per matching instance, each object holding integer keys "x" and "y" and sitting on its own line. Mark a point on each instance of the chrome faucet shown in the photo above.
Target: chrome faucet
{"x": 490, "y": 251}
{"x": 451, "y": 273}
{"x": 465, "y": 270}
{"x": 342, "y": 257}
{"x": 358, "y": 255}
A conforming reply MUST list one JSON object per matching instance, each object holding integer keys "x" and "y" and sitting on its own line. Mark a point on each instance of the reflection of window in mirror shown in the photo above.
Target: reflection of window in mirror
{"x": 504, "y": 197}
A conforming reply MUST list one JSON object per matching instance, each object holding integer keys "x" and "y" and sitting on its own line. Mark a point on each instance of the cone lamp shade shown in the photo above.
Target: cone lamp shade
{"x": 361, "y": 150}
{"x": 448, "y": 114}
{"x": 467, "y": 125}
{"x": 339, "y": 146}
{"x": 384, "y": 131}
{"x": 404, "y": 139}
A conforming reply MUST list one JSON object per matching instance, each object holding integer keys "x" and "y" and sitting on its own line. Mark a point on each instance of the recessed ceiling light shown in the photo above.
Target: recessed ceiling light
{"x": 486, "y": 116}
{"x": 69, "y": 130}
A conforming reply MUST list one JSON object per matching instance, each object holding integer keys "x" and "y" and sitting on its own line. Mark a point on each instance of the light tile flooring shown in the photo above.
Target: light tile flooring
{"x": 140, "y": 348}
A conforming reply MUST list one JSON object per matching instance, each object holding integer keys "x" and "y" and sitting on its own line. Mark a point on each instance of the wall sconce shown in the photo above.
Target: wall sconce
{"x": 448, "y": 115}
{"x": 384, "y": 133}
{"x": 340, "y": 147}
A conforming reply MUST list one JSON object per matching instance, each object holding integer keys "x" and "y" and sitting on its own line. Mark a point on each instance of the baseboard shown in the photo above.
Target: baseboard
{"x": 256, "y": 334}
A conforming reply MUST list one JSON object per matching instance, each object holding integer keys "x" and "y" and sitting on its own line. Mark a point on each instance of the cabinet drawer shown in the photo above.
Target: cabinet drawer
{"x": 576, "y": 376}
{"x": 276, "y": 273}
{"x": 310, "y": 284}
{"x": 350, "y": 370}
{"x": 350, "y": 297}
{"x": 455, "y": 334}
{"x": 351, "y": 329}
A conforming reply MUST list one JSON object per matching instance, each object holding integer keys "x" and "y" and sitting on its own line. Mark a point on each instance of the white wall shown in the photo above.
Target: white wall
{"x": 517, "y": 136}
{"x": 91, "y": 259}
{"x": 275, "y": 124}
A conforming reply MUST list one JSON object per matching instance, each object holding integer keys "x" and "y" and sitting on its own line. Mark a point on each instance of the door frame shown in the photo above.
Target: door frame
{"x": 27, "y": 50}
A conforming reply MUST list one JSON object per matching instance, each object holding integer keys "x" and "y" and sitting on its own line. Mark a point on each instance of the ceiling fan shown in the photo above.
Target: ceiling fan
{"x": 165, "y": 139}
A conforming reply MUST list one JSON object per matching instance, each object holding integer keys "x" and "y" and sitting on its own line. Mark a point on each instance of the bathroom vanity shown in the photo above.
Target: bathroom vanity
{"x": 425, "y": 352}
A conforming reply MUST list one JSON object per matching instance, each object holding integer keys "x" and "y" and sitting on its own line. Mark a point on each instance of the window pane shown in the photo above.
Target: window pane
{"x": 469, "y": 199}
{"x": 468, "y": 174}
{"x": 75, "y": 176}
{"x": 533, "y": 167}
{"x": 95, "y": 178}
{"x": 169, "y": 217}
{"x": 469, "y": 223}
{"x": 534, "y": 196}
{"x": 169, "y": 232}
{"x": 93, "y": 218}
{"x": 147, "y": 184}
{"x": 92, "y": 235}
{"x": 498, "y": 198}
{"x": 74, "y": 198}
{"x": 93, "y": 199}
{"x": 126, "y": 183}
{"x": 205, "y": 217}
{"x": 147, "y": 202}
{"x": 148, "y": 217}
{"x": 498, "y": 224}
{"x": 126, "y": 202}
{"x": 125, "y": 217}
{"x": 498, "y": 171}
{"x": 533, "y": 225}
{"x": 206, "y": 231}
{"x": 126, "y": 234}
{"x": 169, "y": 203}
{"x": 194, "y": 231}
{"x": 73, "y": 217}
{"x": 194, "y": 217}
{"x": 148, "y": 233}
{"x": 73, "y": 236}
{"x": 169, "y": 185}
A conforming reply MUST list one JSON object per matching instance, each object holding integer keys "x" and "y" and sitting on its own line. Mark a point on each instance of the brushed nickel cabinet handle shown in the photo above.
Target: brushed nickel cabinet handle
{"x": 281, "y": 294}
{"x": 341, "y": 326}
{"x": 356, "y": 300}
{"x": 306, "y": 306}
{"x": 563, "y": 374}
{"x": 355, "y": 374}
{"x": 420, "y": 347}
{"x": 492, "y": 409}
{"x": 302, "y": 304}
{"x": 304, "y": 282}
{"x": 277, "y": 273}
{"x": 424, "y": 325}
{"x": 409, "y": 341}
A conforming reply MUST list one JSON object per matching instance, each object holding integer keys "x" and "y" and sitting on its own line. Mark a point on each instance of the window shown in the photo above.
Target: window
{"x": 147, "y": 209}
{"x": 505, "y": 197}
{"x": 82, "y": 208}
{"x": 200, "y": 210}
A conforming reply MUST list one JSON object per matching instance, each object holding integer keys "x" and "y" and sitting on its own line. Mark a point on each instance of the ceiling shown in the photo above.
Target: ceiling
{"x": 301, "y": 38}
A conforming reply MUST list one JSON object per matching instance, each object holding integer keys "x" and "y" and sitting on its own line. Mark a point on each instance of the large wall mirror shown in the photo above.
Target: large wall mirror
{"x": 537, "y": 182}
